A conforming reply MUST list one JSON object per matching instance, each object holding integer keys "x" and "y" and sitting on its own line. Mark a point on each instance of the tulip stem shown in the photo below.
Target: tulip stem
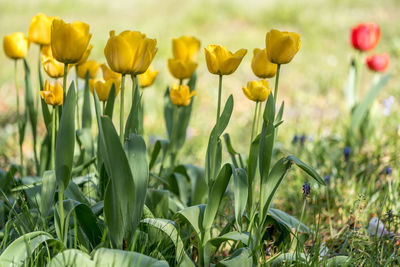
{"x": 277, "y": 83}
{"x": 77, "y": 98}
{"x": 219, "y": 97}
{"x": 121, "y": 111}
{"x": 254, "y": 123}
{"x": 259, "y": 116}
{"x": 19, "y": 123}
{"x": 53, "y": 137}
{"x": 65, "y": 81}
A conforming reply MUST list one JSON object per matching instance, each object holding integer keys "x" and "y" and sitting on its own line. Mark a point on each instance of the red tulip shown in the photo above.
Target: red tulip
{"x": 378, "y": 63}
{"x": 365, "y": 36}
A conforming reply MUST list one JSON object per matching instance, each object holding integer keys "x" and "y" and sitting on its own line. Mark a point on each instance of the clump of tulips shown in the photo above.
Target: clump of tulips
{"x": 128, "y": 191}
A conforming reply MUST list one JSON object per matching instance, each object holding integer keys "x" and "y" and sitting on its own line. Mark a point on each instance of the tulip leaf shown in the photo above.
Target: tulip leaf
{"x": 194, "y": 216}
{"x": 214, "y": 199}
{"x": 360, "y": 111}
{"x": 289, "y": 221}
{"x": 65, "y": 142}
{"x": 310, "y": 171}
{"x": 133, "y": 122}
{"x": 49, "y": 185}
{"x": 240, "y": 185}
{"x": 110, "y": 102}
{"x": 241, "y": 257}
{"x": 168, "y": 115}
{"x": 252, "y": 169}
{"x": 86, "y": 109}
{"x": 160, "y": 145}
{"x": 114, "y": 257}
{"x": 157, "y": 202}
{"x": 71, "y": 257}
{"x": 45, "y": 153}
{"x": 232, "y": 152}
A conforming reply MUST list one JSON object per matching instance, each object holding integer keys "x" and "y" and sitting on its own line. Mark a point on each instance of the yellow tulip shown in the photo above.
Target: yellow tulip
{"x": 15, "y": 45}
{"x": 221, "y": 61}
{"x": 85, "y": 55}
{"x": 109, "y": 74}
{"x": 90, "y": 66}
{"x": 130, "y": 52}
{"x": 282, "y": 46}
{"x": 181, "y": 69}
{"x": 103, "y": 88}
{"x": 69, "y": 41}
{"x": 186, "y": 48}
{"x": 39, "y": 31}
{"x": 257, "y": 91}
{"x": 180, "y": 95}
{"x": 51, "y": 66}
{"x": 52, "y": 95}
{"x": 261, "y": 66}
{"x": 146, "y": 79}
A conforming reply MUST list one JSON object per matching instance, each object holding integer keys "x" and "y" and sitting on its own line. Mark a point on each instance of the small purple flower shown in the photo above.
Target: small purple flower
{"x": 302, "y": 139}
{"x": 306, "y": 190}
{"x": 387, "y": 103}
{"x": 389, "y": 215}
{"x": 346, "y": 153}
{"x": 389, "y": 170}
{"x": 295, "y": 139}
{"x": 327, "y": 178}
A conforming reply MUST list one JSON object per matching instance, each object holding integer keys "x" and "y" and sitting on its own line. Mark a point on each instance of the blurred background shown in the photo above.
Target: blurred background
{"x": 312, "y": 85}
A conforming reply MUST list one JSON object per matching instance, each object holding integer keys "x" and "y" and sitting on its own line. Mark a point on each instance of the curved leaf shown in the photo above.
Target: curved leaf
{"x": 105, "y": 257}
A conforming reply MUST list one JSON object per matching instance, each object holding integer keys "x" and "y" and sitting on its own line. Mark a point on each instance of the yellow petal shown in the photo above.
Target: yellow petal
{"x": 39, "y": 31}
{"x": 119, "y": 54}
{"x": 15, "y": 45}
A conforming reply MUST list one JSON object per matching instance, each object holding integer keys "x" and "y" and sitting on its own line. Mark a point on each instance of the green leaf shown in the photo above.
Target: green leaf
{"x": 65, "y": 142}
{"x": 71, "y": 257}
{"x": 86, "y": 109}
{"x": 287, "y": 258}
{"x": 362, "y": 108}
{"x": 232, "y": 152}
{"x": 168, "y": 115}
{"x": 105, "y": 257}
{"x": 45, "y": 154}
{"x": 169, "y": 229}
{"x": 338, "y": 261}
{"x": 157, "y": 201}
{"x": 88, "y": 222}
{"x": 21, "y": 249}
{"x": 49, "y": 184}
{"x": 252, "y": 169}
{"x": 267, "y": 138}
{"x": 160, "y": 145}
{"x": 45, "y": 108}
{"x": 310, "y": 171}
{"x": 133, "y": 122}
{"x": 110, "y": 102}
{"x": 193, "y": 215}
{"x": 230, "y": 236}
{"x": 74, "y": 192}
{"x": 240, "y": 191}
{"x": 214, "y": 199}
{"x": 7, "y": 178}
{"x": 199, "y": 189}
{"x": 240, "y": 258}
{"x": 289, "y": 221}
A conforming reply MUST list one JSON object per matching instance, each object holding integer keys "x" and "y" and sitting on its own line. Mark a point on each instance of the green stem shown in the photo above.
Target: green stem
{"x": 77, "y": 98}
{"x": 219, "y": 97}
{"x": 104, "y": 107}
{"x": 65, "y": 81}
{"x": 301, "y": 219}
{"x": 329, "y": 212}
{"x": 277, "y": 83}
{"x": 180, "y": 81}
{"x": 254, "y": 123}
{"x": 175, "y": 122}
{"x": 61, "y": 206}
{"x": 121, "y": 111}
{"x": 53, "y": 137}
{"x": 259, "y": 116}
{"x": 19, "y": 123}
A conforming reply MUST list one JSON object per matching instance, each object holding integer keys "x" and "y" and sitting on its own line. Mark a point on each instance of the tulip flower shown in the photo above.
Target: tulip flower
{"x": 181, "y": 69}
{"x": 186, "y": 48}
{"x": 180, "y": 95}
{"x": 257, "y": 91}
{"x": 52, "y": 95}
{"x": 146, "y": 79}
{"x": 91, "y": 67}
{"x": 52, "y": 67}
{"x": 85, "y": 55}
{"x": 130, "y": 52}
{"x": 69, "y": 41}
{"x": 282, "y": 46}
{"x": 103, "y": 87}
{"x": 39, "y": 31}
{"x": 15, "y": 45}
{"x": 221, "y": 61}
{"x": 378, "y": 63}
{"x": 261, "y": 66}
{"x": 365, "y": 36}
{"x": 108, "y": 73}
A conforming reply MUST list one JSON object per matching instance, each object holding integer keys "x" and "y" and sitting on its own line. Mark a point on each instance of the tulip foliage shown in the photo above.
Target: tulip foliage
{"x": 105, "y": 197}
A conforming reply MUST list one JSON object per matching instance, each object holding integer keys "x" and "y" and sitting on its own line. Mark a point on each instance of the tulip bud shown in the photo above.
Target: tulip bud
{"x": 39, "y": 31}
{"x": 186, "y": 48}
{"x": 130, "y": 52}
{"x": 69, "y": 41}
{"x": 257, "y": 91}
{"x": 146, "y": 79}
{"x": 365, "y": 36}
{"x": 282, "y": 46}
{"x": 52, "y": 95}
{"x": 90, "y": 67}
{"x": 180, "y": 95}
{"x": 221, "y": 61}
{"x": 378, "y": 63}
{"x": 261, "y": 66}
{"x": 103, "y": 88}
{"x": 15, "y": 45}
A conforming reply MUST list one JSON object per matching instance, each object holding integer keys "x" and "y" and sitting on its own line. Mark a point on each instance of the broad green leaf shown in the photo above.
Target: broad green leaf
{"x": 240, "y": 258}
{"x": 168, "y": 227}
{"x": 160, "y": 145}
{"x": 286, "y": 259}
{"x": 233, "y": 236}
{"x": 133, "y": 122}
{"x": 85, "y": 141}
{"x": 168, "y": 115}
{"x": 362, "y": 108}
{"x": 157, "y": 201}
{"x": 240, "y": 185}
{"x": 21, "y": 249}
{"x": 252, "y": 170}
{"x": 74, "y": 192}
{"x": 287, "y": 220}
{"x": 310, "y": 171}
{"x": 86, "y": 109}
{"x": 338, "y": 261}
{"x": 45, "y": 154}
{"x": 49, "y": 184}
{"x": 71, "y": 257}
{"x": 214, "y": 199}
{"x": 267, "y": 138}
{"x": 110, "y": 102}
{"x": 7, "y": 178}
{"x": 279, "y": 115}
{"x": 193, "y": 215}
{"x": 232, "y": 152}
{"x": 88, "y": 222}
{"x": 105, "y": 257}
{"x": 199, "y": 189}
{"x": 65, "y": 142}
